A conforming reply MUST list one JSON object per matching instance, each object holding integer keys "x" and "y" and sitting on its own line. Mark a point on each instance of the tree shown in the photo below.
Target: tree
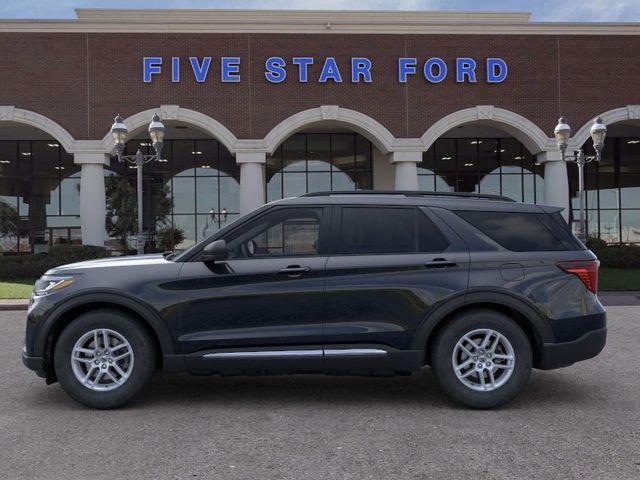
{"x": 122, "y": 209}
{"x": 9, "y": 221}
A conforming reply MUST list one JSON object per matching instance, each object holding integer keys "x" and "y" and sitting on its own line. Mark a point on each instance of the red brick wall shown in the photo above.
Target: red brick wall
{"x": 82, "y": 80}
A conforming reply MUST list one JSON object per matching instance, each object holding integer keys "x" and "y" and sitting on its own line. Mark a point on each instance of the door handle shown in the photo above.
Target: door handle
{"x": 440, "y": 263}
{"x": 294, "y": 270}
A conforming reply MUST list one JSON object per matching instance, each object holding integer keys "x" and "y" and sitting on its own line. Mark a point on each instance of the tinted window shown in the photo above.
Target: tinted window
{"x": 430, "y": 239}
{"x": 367, "y": 230}
{"x": 522, "y": 232}
{"x": 290, "y": 231}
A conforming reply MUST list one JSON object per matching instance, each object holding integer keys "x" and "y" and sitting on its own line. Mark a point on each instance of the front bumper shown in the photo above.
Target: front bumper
{"x": 558, "y": 355}
{"x": 34, "y": 363}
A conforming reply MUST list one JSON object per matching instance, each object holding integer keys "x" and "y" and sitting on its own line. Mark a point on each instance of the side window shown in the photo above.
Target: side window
{"x": 430, "y": 238}
{"x": 380, "y": 230}
{"x": 287, "y": 231}
{"x": 522, "y": 232}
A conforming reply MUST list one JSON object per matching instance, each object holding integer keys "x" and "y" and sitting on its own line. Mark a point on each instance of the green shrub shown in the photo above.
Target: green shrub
{"x": 615, "y": 256}
{"x": 34, "y": 265}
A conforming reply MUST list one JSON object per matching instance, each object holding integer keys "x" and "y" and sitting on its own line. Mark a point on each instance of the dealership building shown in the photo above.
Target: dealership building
{"x": 262, "y": 105}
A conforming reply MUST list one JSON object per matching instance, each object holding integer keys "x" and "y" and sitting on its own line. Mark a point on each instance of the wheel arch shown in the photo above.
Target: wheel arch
{"x": 71, "y": 309}
{"x": 528, "y": 318}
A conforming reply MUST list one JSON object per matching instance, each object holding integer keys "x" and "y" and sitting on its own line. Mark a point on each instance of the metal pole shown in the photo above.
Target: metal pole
{"x": 582, "y": 229}
{"x": 140, "y": 239}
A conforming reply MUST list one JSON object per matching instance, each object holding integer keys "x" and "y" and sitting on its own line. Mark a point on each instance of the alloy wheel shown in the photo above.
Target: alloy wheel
{"x": 102, "y": 359}
{"x": 483, "y": 360}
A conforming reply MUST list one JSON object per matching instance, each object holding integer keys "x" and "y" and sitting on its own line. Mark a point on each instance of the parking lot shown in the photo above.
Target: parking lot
{"x": 579, "y": 422}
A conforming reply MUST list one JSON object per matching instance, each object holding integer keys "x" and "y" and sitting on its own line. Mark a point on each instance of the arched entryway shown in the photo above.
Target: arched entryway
{"x": 189, "y": 194}
{"x": 327, "y": 148}
{"x": 612, "y": 185}
{"x": 39, "y": 184}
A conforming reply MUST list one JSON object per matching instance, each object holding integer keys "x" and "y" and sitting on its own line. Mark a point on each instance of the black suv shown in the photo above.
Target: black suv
{"x": 478, "y": 287}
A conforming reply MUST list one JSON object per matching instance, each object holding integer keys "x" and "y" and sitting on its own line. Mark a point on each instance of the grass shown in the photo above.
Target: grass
{"x": 16, "y": 288}
{"x": 618, "y": 279}
{"x": 611, "y": 279}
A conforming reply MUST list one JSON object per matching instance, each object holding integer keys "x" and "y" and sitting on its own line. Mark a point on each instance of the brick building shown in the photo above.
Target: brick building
{"x": 260, "y": 105}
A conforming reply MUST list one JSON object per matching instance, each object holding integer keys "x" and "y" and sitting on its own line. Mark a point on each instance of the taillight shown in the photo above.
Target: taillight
{"x": 585, "y": 270}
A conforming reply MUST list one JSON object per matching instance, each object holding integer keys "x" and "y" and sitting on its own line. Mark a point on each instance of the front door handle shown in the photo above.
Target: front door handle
{"x": 294, "y": 270}
{"x": 440, "y": 263}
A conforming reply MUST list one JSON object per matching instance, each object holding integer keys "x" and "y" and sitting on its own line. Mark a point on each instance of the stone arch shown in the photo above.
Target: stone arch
{"x": 629, "y": 112}
{"x": 521, "y": 128}
{"x": 9, "y": 113}
{"x": 373, "y": 130}
{"x": 177, "y": 113}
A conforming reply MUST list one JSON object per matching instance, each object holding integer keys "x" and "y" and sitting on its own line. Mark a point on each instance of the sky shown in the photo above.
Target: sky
{"x": 542, "y": 10}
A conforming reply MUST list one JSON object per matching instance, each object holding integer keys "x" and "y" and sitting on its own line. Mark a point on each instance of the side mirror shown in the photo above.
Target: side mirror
{"x": 215, "y": 251}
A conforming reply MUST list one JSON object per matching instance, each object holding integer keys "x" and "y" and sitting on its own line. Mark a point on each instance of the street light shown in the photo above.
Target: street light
{"x": 562, "y": 133}
{"x": 119, "y": 133}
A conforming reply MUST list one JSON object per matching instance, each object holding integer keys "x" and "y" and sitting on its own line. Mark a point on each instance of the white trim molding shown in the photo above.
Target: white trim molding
{"x": 629, "y": 112}
{"x": 363, "y": 124}
{"x": 196, "y": 21}
{"x": 523, "y": 129}
{"x": 10, "y": 113}
{"x": 177, "y": 113}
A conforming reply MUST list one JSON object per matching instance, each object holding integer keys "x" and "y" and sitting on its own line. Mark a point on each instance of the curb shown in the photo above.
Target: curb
{"x": 13, "y": 305}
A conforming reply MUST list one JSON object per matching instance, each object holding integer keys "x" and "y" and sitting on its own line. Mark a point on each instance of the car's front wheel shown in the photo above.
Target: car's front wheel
{"x": 103, "y": 358}
{"x": 482, "y": 358}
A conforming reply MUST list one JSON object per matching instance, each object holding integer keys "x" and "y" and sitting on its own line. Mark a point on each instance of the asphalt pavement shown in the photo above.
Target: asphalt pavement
{"x": 579, "y": 422}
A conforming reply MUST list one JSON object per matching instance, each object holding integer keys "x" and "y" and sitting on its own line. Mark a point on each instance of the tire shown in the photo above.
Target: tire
{"x": 511, "y": 342}
{"x": 105, "y": 386}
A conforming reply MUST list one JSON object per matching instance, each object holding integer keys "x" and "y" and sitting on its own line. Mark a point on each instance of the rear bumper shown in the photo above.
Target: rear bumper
{"x": 557, "y": 355}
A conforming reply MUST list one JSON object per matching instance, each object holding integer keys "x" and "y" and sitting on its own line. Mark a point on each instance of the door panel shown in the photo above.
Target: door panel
{"x": 268, "y": 293}
{"x": 383, "y": 298}
{"x": 248, "y": 302}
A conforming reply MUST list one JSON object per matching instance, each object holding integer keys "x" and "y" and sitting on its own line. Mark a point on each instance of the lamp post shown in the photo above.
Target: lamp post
{"x": 562, "y": 133}
{"x": 119, "y": 133}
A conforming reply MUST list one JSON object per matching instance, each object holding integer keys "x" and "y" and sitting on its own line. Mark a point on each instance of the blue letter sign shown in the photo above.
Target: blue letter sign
{"x": 275, "y": 69}
{"x": 330, "y": 71}
{"x": 200, "y": 71}
{"x": 496, "y": 70}
{"x": 151, "y": 66}
{"x": 434, "y": 69}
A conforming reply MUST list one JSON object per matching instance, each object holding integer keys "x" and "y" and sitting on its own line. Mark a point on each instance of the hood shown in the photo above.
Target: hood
{"x": 124, "y": 261}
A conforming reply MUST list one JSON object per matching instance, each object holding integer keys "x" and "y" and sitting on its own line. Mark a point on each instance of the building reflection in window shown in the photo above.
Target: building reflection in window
{"x": 500, "y": 166}
{"x": 202, "y": 179}
{"x": 613, "y": 191}
{"x": 312, "y": 162}
{"x": 39, "y": 196}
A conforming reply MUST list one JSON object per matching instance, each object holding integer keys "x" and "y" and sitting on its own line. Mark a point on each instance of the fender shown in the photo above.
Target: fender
{"x": 114, "y": 297}
{"x": 505, "y": 298}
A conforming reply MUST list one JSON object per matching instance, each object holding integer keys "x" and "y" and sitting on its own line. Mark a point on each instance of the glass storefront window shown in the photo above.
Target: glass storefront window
{"x": 313, "y": 162}
{"x": 499, "y": 166}
{"x": 195, "y": 188}
{"x": 612, "y": 190}
{"x": 39, "y": 196}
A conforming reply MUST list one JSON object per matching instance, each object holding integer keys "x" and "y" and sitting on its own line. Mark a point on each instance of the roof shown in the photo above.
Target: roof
{"x": 311, "y": 21}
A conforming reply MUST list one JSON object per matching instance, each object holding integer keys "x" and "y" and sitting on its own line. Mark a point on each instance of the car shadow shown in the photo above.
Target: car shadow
{"x": 418, "y": 390}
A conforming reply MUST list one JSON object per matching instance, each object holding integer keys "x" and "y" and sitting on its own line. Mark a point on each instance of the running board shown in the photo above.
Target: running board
{"x": 360, "y": 359}
{"x": 316, "y": 353}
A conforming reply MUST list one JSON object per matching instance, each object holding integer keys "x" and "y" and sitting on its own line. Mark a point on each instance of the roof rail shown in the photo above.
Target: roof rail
{"x": 412, "y": 193}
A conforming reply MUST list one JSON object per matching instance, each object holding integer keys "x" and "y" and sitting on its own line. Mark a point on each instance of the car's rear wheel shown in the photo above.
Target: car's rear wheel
{"x": 103, "y": 358}
{"x": 482, "y": 358}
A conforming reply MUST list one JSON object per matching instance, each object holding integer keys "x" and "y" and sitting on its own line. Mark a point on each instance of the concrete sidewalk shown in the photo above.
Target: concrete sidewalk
{"x": 608, "y": 299}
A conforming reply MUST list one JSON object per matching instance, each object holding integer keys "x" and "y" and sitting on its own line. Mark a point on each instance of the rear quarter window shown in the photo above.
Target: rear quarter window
{"x": 523, "y": 232}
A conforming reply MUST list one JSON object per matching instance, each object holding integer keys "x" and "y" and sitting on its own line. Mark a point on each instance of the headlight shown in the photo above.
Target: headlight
{"x": 48, "y": 285}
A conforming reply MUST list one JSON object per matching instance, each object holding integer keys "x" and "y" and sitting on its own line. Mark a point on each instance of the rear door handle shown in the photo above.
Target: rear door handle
{"x": 440, "y": 263}
{"x": 294, "y": 270}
